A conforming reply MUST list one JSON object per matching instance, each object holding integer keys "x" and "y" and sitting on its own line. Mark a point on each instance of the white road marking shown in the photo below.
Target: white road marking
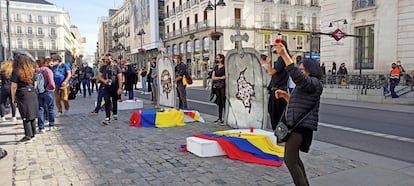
{"x": 388, "y": 136}
{"x": 201, "y": 102}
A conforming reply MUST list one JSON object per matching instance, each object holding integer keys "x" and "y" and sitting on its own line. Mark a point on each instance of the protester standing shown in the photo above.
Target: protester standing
{"x": 180, "y": 73}
{"x": 130, "y": 79}
{"x": 46, "y": 99}
{"x": 23, "y": 92}
{"x": 86, "y": 77}
{"x": 6, "y": 73}
{"x": 111, "y": 76}
{"x": 219, "y": 86}
{"x": 100, "y": 90}
{"x": 154, "y": 81}
{"x": 305, "y": 99}
{"x": 61, "y": 76}
{"x": 144, "y": 80}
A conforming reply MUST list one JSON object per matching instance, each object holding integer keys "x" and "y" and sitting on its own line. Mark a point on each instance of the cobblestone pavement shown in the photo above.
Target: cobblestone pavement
{"x": 84, "y": 152}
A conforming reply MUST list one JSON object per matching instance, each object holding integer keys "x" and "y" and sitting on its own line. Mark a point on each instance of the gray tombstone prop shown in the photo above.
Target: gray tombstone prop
{"x": 166, "y": 75}
{"x": 246, "y": 88}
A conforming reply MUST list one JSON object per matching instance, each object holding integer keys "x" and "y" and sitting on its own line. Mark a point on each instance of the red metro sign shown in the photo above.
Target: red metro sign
{"x": 338, "y": 34}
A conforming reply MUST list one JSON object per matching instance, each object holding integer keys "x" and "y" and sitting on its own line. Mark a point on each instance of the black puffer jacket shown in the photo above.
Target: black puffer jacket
{"x": 305, "y": 97}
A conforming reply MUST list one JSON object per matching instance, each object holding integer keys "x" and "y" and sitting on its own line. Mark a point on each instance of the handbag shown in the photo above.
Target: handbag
{"x": 218, "y": 84}
{"x": 282, "y": 131}
{"x": 188, "y": 79}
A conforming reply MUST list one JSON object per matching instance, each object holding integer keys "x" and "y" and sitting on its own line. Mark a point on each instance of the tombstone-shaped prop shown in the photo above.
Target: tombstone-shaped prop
{"x": 246, "y": 93}
{"x": 166, "y": 92}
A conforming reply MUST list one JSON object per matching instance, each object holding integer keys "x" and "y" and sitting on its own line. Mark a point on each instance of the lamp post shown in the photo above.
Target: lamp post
{"x": 8, "y": 28}
{"x": 209, "y": 7}
{"x": 141, "y": 33}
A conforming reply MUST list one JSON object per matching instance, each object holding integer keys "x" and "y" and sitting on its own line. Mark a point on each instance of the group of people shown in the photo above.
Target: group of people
{"x": 21, "y": 80}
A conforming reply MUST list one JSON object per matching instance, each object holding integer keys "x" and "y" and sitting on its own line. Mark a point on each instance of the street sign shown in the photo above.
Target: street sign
{"x": 315, "y": 56}
{"x": 338, "y": 34}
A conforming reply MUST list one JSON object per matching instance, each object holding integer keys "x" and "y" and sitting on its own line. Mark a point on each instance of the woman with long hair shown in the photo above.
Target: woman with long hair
{"x": 219, "y": 86}
{"x": 303, "y": 105}
{"x": 23, "y": 92}
{"x": 6, "y": 73}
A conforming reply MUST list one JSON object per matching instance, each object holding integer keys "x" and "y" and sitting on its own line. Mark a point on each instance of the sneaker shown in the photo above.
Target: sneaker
{"x": 33, "y": 138}
{"x": 115, "y": 117}
{"x": 106, "y": 121}
{"x": 217, "y": 121}
{"x": 41, "y": 131}
{"x": 66, "y": 112}
{"x": 52, "y": 128}
{"x": 14, "y": 119}
{"x": 3, "y": 119}
{"x": 221, "y": 122}
{"x": 26, "y": 139}
{"x": 93, "y": 113}
{"x": 59, "y": 114}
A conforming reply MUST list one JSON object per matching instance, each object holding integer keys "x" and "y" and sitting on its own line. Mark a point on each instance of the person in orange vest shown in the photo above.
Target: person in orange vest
{"x": 394, "y": 79}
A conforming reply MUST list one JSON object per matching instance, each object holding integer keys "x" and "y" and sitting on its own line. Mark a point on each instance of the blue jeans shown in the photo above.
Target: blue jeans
{"x": 46, "y": 101}
{"x": 131, "y": 94}
{"x": 144, "y": 84}
{"x": 393, "y": 84}
{"x": 99, "y": 99}
{"x": 86, "y": 83}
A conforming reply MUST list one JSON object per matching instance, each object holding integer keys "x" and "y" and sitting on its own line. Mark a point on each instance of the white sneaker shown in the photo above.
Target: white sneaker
{"x": 66, "y": 112}
{"x": 115, "y": 117}
{"x": 41, "y": 131}
{"x": 3, "y": 119}
{"x": 14, "y": 119}
{"x": 59, "y": 114}
{"x": 106, "y": 121}
{"x": 52, "y": 128}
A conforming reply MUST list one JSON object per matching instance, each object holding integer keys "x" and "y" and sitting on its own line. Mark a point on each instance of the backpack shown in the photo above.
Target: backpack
{"x": 40, "y": 83}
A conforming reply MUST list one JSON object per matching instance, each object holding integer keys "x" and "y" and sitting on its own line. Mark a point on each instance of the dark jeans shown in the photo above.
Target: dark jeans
{"x": 275, "y": 109}
{"x": 86, "y": 83}
{"x": 94, "y": 84}
{"x": 221, "y": 100}
{"x": 46, "y": 101}
{"x": 131, "y": 94}
{"x": 182, "y": 96}
{"x": 293, "y": 161}
{"x": 29, "y": 128}
{"x": 111, "y": 98}
{"x": 99, "y": 99}
{"x": 5, "y": 94}
{"x": 393, "y": 84}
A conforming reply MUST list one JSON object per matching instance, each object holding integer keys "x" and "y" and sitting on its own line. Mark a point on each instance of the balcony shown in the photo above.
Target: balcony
{"x": 300, "y": 26}
{"x": 186, "y": 5}
{"x": 194, "y": 2}
{"x": 178, "y": 9}
{"x": 241, "y": 22}
{"x": 362, "y": 4}
{"x": 264, "y": 24}
{"x": 52, "y": 35}
{"x": 284, "y": 25}
{"x": 52, "y": 22}
{"x": 171, "y": 13}
{"x": 286, "y": 2}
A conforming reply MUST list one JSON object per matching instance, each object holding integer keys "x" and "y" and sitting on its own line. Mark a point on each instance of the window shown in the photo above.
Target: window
{"x": 52, "y": 31}
{"x": 365, "y": 53}
{"x": 29, "y": 30}
{"x": 39, "y": 19}
{"x": 299, "y": 42}
{"x": 29, "y": 18}
{"x": 299, "y": 2}
{"x": 284, "y": 2}
{"x": 19, "y": 43}
{"x": 52, "y": 19}
{"x": 169, "y": 50}
{"x": 40, "y": 30}
{"x": 181, "y": 48}
{"x": 40, "y": 44}
{"x": 266, "y": 39}
{"x": 53, "y": 44}
{"x": 195, "y": 18}
{"x": 175, "y": 49}
{"x": 189, "y": 48}
{"x": 359, "y": 4}
{"x": 206, "y": 44}
{"x": 30, "y": 43}
{"x": 196, "y": 45}
{"x": 19, "y": 30}
{"x": 18, "y": 17}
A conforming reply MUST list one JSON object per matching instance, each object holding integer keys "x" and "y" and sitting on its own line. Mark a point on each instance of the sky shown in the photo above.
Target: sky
{"x": 84, "y": 14}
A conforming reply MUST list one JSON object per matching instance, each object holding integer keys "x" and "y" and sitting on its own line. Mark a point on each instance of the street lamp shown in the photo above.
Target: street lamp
{"x": 141, "y": 33}
{"x": 339, "y": 20}
{"x": 210, "y": 7}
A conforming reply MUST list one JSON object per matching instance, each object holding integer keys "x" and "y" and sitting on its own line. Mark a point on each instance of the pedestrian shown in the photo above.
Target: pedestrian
{"x": 6, "y": 73}
{"x": 278, "y": 81}
{"x": 342, "y": 75}
{"x": 219, "y": 86}
{"x": 394, "y": 79}
{"x": 130, "y": 78}
{"x": 265, "y": 67}
{"x": 154, "y": 80}
{"x": 144, "y": 80}
{"x": 61, "y": 75}
{"x": 94, "y": 82}
{"x": 99, "y": 90}
{"x": 23, "y": 92}
{"x": 111, "y": 76}
{"x": 180, "y": 73}
{"x": 77, "y": 80}
{"x": 46, "y": 99}
{"x": 305, "y": 100}
{"x": 86, "y": 75}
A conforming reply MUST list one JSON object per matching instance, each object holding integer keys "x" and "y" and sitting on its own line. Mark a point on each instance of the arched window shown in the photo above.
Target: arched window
{"x": 196, "y": 45}
{"x": 182, "y": 48}
{"x": 189, "y": 48}
{"x": 40, "y": 44}
{"x": 169, "y": 51}
{"x": 53, "y": 44}
{"x": 30, "y": 43}
{"x": 206, "y": 44}
{"x": 175, "y": 49}
{"x": 19, "y": 43}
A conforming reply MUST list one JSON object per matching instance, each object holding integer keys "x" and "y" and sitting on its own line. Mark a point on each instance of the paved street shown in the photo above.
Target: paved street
{"x": 85, "y": 152}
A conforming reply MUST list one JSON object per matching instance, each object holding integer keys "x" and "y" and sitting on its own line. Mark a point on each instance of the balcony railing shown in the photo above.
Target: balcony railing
{"x": 178, "y": 9}
{"x": 284, "y": 25}
{"x": 284, "y": 2}
{"x": 194, "y": 2}
{"x": 361, "y": 4}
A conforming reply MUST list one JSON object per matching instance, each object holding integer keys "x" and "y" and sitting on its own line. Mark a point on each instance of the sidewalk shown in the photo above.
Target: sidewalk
{"x": 85, "y": 152}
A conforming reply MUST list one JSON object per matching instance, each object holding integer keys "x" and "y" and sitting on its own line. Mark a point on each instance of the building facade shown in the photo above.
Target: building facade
{"x": 386, "y": 29}
{"x": 39, "y": 27}
{"x": 104, "y": 44}
{"x": 189, "y": 27}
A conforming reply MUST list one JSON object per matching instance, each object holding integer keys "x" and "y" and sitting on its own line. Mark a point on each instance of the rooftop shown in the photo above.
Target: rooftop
{"x": 34, "y": 1}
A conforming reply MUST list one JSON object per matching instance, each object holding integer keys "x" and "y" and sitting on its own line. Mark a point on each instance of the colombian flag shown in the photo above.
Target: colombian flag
{"x": 251, "y": 148}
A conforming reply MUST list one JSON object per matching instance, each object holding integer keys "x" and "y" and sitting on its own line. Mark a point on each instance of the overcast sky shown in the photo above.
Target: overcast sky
{"x": 84, "y": 14}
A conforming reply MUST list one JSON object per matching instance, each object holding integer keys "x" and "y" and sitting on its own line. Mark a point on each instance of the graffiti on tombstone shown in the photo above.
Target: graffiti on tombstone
{"x": 246, "y": 92}
{"x": 165, "y": 69}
